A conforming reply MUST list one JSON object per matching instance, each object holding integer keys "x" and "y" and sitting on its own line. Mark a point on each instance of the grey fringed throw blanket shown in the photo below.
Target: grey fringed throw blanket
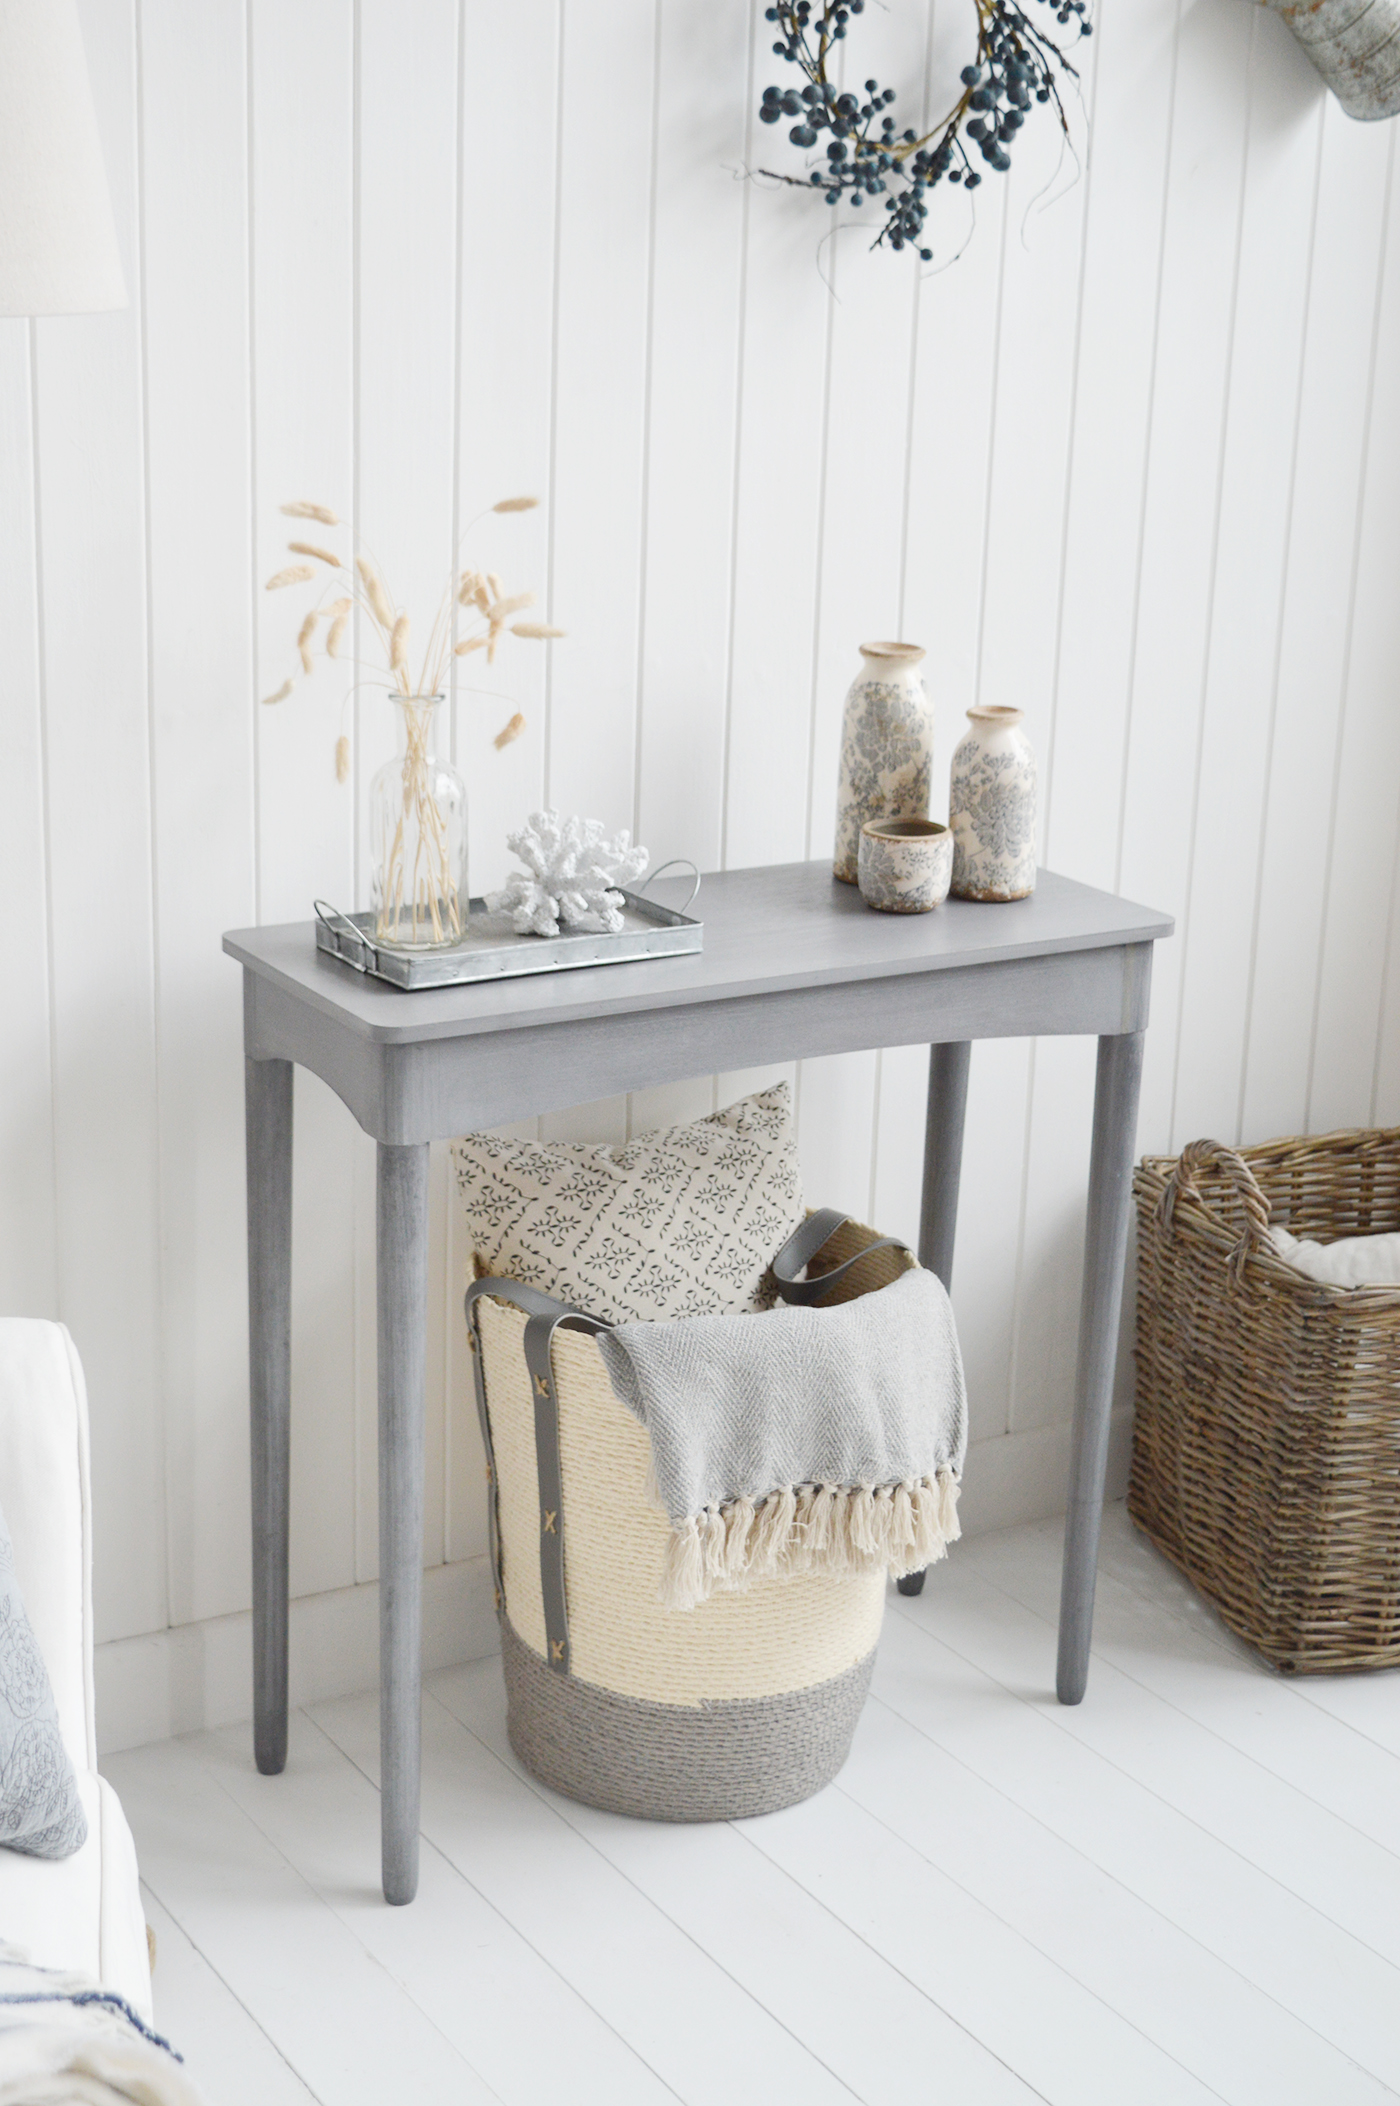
{"x": 801, "y": 1439}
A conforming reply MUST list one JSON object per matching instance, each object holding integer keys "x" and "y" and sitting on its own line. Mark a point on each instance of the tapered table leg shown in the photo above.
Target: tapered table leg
{"x": 402, "y": 1225}
{"x": 268, "y": 1116}
{"x": 943, "y": 1140}
{"x": 1105, "y": 1245}
{"x": 938, "y": 1215}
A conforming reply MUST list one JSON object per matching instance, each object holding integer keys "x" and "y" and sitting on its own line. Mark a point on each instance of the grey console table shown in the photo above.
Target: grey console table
{"x": 794, "y": 965}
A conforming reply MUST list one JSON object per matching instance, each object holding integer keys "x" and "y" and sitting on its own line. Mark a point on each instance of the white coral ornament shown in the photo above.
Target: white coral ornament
{"x": 571, "y": 872}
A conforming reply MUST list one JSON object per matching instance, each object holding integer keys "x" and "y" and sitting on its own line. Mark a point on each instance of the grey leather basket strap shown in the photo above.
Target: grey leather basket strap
{"x": 543, "y": 1318}
{"x": 802, "y": 1246}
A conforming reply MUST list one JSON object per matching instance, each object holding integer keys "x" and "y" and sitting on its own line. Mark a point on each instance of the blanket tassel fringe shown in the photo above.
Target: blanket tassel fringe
{"x": 811, "y": 1528}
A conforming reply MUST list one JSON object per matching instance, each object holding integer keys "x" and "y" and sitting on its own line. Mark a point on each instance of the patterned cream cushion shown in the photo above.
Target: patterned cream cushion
{"x": 675, "y": 1223}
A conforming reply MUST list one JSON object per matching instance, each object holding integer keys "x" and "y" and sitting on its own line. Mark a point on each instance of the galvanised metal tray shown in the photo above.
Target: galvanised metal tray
{"x": 493, "y": 951}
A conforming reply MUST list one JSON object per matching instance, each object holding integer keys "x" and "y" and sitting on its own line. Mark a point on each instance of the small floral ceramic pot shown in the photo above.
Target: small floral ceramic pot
{"x": 991, "y": 807}
{"x": 905, "y": 865}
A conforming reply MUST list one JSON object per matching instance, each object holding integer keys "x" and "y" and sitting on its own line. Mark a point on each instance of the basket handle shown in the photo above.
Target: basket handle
{"x": 802, "y": 1246}
{"x": 1185, "y": 1177}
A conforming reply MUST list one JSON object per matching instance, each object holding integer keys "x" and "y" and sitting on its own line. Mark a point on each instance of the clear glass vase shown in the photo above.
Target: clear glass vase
{"x": 418, "y": 837}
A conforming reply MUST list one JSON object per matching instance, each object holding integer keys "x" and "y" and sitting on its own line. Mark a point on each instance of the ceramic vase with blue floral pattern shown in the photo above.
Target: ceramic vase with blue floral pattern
{"x": 886, "y": 748}
{"x": 991, "y": 808}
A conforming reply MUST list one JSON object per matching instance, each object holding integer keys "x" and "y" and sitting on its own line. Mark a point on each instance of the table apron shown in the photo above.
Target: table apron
{"x": 431, "y": 1088}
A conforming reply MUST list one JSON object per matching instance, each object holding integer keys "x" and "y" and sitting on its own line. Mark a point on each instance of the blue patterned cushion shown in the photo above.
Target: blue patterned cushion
{"x": 40, "y": 1811}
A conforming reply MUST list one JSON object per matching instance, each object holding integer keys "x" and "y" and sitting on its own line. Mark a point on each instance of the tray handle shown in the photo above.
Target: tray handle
{"x": 341, "y": 925}
{"x": 1185, "y": 1177}
{"x": 676, "y": 862}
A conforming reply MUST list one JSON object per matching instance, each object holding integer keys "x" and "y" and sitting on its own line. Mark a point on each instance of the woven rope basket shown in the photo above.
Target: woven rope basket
{"x": 1266, "y": 1451}
{"x": 740, "y": 1706}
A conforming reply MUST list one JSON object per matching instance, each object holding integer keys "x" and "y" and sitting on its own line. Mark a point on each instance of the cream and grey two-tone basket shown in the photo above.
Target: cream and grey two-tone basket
{"x": 737, "y": 1707}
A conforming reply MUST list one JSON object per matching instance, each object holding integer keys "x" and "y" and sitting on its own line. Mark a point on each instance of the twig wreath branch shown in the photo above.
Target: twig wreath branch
{"x": 1016, "y": 64}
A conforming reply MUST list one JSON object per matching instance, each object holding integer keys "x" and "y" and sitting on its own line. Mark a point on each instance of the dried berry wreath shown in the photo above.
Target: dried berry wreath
{"x": 1016, "y": 64}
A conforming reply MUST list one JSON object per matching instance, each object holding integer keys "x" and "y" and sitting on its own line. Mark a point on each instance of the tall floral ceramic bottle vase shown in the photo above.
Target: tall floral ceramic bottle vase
{"x": 886, "y": 747}
{"x": 418, "y": 837}
{"x": 991, "y": 808}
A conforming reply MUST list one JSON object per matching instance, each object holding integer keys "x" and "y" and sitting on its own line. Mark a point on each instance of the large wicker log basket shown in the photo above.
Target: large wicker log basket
{"x": 1266, "y": 1452}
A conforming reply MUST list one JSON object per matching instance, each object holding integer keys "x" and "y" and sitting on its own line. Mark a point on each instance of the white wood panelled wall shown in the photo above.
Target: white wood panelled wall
{"x": 1130, "y": 463}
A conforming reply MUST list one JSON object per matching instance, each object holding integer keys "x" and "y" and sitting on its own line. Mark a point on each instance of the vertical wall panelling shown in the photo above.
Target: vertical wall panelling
{"x": 406, "y": 99}
{"x": 951, "y": 428}
{"x": 1050, "y": 1250}
{"x": 1123, "y": 454}
{"x": 1200, "y": 258}
{"x": 598, "y": 524}
{"x": 947, "y": 484}
{"x": 1374, "y": 650}
{"x": 1042, "y": 275}
{"x": 92, "y": 552}
{"x": 1368, "y": 764}
{"x": 1082, "y": 761}
{"x": 896, "y": 1170}
{"x": 301, "y": 129}
{"x": 1125, "y": 186}
{"x": 506, "y": 269}
{"x": 1301, "y": 811}
{"x": 693, "y": 347}
{"x": 195, "y": 234}
{"x": 989, "y": 1216}
{"x": 28, "y": 1244}
{"x": 787, "y": 314}
{"x": 506, "y": 277}
{"x": 862, "y": 552}
{"x": 1276, "y": 248}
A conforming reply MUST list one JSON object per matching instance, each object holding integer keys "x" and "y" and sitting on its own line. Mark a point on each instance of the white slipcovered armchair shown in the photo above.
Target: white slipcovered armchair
{"x": 82, "y": 1912}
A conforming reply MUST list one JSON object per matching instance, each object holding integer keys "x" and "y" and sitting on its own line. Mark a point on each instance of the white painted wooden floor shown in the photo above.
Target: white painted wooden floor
{"x": 1187, "y": 1889}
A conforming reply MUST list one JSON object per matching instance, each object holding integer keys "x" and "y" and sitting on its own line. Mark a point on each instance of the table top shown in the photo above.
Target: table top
{"x": 786, "y": 925}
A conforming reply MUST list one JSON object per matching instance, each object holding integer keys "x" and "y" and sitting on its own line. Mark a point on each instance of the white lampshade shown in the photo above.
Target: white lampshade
{"x": 58, "y": 246}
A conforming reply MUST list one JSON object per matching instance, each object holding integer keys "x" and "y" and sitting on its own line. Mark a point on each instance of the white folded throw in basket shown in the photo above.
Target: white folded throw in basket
{"x": 1352, "y": 1261}
{"x": 801, "y": 1439}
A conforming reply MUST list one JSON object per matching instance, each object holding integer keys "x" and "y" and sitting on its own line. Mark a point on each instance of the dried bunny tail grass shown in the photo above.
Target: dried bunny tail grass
{"x": 473, "y": 643}
{"x": 310, "y": 548}
{"x": 294, "y": 574}
{"x": 375, "y": 593}
{"x": 509, "y": 733}
{"x": 281, "y": 695}
{"x": 539, "y": 631}
{"x": 398, "y": 644}
{"x": 302, "y": 510}
{"x": 334, "y": 634}
{"x": 516, "y": 504}
{"x": 481, "y": 596}
{"x": 304, "y": 636}
{"x": 467, "y": 588}
{"x": 342, "y": 758}
{"x": 339, "y": 606}
{"x": 494, "y": 585}
{"x": 512, "y": 606}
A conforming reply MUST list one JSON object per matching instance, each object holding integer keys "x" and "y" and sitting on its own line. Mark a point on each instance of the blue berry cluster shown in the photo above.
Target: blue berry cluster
{"x": 867, "y": 156}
